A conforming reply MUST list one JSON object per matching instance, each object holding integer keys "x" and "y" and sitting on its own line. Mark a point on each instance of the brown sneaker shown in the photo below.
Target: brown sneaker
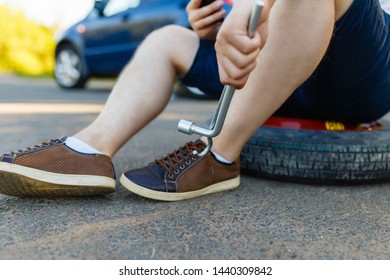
{"x": 53, "y": 169}
{"x": 181, "y": 175}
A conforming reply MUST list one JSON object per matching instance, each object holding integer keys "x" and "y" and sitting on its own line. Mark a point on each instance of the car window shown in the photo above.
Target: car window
{"x": 117, "y": 6}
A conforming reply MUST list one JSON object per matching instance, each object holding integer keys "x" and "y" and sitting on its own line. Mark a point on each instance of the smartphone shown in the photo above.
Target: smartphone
{"x": 206, "y": 2}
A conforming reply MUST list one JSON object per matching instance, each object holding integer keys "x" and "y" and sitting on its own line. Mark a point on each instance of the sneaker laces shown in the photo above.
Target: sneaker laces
{"x": 35, "y": 147}
{"x": 183, "y": 153}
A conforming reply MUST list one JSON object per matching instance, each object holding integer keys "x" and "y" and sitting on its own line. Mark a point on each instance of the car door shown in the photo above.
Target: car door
{"x": 112, "y": 38}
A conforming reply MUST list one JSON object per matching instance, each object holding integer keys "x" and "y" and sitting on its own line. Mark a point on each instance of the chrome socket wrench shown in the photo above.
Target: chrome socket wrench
{"x": 219, "y": 117}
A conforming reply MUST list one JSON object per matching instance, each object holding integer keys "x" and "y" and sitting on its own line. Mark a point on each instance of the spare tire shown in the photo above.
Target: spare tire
{"x": 318, "y": 156}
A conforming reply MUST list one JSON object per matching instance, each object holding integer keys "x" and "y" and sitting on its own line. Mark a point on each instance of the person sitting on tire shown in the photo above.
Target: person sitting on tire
{"x": 313, "y": 59}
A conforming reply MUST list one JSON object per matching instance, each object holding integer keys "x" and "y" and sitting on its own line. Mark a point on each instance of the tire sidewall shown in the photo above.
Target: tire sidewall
{"x": 318, "y": 156}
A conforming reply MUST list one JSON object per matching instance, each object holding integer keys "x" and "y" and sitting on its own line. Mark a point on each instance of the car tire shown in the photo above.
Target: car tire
{"x": 318, "y": 156}
{"x": 70, "y": 69}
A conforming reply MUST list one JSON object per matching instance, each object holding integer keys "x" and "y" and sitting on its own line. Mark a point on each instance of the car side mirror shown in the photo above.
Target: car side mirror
{"x": 99, "y": 6}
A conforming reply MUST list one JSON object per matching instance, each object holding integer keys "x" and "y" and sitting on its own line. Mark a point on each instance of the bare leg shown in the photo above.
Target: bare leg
{"x": 143, "y": 89}
{"x": 290, "y": 56}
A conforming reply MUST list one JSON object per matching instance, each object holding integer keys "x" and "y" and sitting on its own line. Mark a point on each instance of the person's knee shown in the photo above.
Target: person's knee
{"x": 165, "y": 36}
{"x": 177, "y": 43}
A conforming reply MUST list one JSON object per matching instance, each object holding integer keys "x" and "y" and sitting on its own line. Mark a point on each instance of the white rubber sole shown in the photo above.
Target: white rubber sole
{"x": 167, "y": 196}
{"x": 25, "y": 181}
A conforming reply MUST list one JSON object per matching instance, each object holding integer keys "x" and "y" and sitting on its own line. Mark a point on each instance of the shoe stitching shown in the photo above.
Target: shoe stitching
{"x": 182, "y": 156}
{"x": 43, "y": 145}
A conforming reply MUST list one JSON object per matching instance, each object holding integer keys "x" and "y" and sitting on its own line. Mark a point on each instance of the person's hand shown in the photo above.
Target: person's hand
{"x": 236, "y": 52}
{"x": 206, "y": 21}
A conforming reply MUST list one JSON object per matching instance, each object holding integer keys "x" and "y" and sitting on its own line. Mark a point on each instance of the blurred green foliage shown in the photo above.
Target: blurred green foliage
{"x": 26, "y": 47}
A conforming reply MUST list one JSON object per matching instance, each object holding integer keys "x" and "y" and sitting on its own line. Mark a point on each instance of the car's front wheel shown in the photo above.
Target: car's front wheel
{"x": 70, "y": 69}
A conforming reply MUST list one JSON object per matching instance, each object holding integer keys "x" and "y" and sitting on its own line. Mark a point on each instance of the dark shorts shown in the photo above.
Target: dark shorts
{"x": 203, "y": 73}
{"x": 352, "y": 82}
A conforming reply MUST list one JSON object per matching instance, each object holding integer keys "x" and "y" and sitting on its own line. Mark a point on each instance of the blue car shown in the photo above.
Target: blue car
{"x": 102, "y": 44}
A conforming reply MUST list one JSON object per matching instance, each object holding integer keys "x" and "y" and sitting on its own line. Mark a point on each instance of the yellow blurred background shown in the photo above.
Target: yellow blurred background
{"x": 26, "y": 47}
{"x": 28, "y": 29}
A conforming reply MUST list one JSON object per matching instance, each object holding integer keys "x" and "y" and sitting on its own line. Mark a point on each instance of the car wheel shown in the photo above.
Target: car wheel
{"x": 318, "y": 156}
{"x": 70, "y": 70}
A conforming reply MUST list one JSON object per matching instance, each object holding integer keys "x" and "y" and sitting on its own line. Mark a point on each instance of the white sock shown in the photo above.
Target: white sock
{"x": 220, "y": 158}
{"x": 80, "y": 146}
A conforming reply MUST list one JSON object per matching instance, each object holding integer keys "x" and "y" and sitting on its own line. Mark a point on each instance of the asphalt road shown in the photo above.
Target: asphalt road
{"x": 262, "y": 219}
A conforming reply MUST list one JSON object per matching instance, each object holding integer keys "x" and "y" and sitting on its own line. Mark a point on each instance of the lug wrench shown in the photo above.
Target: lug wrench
{"x": 219, "y": 117}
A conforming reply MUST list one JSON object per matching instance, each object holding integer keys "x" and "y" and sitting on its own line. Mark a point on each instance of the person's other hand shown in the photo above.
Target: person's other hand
{"x": 206, "y": 21}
